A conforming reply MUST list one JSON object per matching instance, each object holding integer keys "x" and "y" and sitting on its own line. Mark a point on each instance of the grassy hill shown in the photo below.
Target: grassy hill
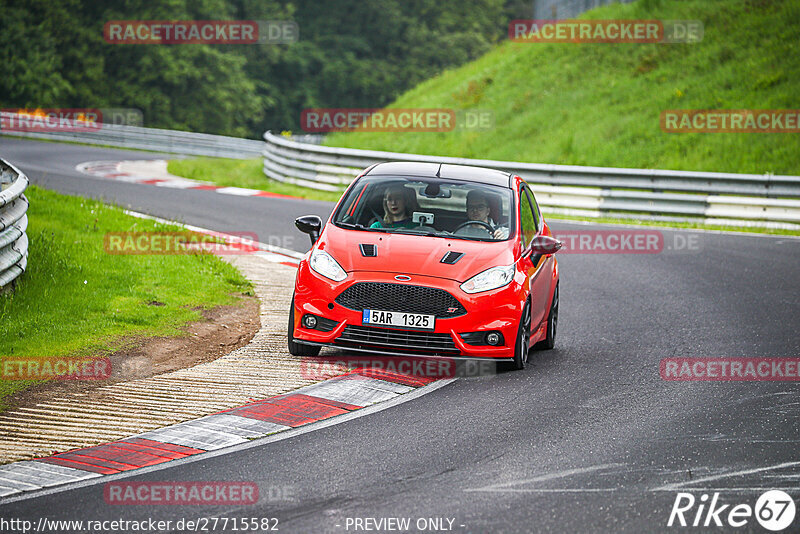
{"x": 599, "y": 104}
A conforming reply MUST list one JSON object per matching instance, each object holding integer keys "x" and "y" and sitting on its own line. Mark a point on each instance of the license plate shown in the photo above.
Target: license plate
{"x": 398, "y": 319}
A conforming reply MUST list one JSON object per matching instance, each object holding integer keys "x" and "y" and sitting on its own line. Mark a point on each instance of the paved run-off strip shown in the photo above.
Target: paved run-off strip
{"x": 130, "y": 425}
{"x": 154, "y": 172}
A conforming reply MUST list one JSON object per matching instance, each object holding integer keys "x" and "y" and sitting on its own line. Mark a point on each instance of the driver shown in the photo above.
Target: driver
{"x": 398, "y": 207}
{"x": 478, "y": 210}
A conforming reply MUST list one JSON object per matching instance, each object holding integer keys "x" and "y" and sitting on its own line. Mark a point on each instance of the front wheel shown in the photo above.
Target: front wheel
{"x": 298, "y": 349}
{"x": 523, "y": 339}
{"x": 552, "y": 324}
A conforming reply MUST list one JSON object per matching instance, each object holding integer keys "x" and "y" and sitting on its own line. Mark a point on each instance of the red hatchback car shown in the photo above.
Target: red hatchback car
{"x": 432, "y": 260}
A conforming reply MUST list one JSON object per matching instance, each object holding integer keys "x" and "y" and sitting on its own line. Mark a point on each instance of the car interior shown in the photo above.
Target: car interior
{"x": 444, "y": 203}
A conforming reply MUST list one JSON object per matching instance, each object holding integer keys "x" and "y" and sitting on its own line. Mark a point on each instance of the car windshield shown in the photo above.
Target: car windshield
{"x": 428, "y": 206}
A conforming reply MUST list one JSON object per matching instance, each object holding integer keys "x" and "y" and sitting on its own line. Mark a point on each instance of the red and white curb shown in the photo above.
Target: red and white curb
{"x": 154, "y": 172}
{"x": 325, "y": 400}
{"x": 335, "y": 399}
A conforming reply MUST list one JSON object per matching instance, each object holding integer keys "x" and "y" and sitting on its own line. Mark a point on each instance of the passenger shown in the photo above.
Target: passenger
{"x": 478, "y": 210}
{"x": 398, "y": 207}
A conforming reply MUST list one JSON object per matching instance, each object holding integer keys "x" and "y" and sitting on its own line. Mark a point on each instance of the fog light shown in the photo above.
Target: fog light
{"x": 493, "y": 338}
{"x": 309, "y": 321}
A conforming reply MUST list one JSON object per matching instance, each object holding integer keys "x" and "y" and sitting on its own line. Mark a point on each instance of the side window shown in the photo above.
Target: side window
{"x": 537, "y": 215}
{"x": 526, "y": 216}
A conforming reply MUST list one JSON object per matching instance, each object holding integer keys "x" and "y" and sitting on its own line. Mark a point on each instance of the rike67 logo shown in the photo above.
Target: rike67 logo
{"x": 774, "y": 510}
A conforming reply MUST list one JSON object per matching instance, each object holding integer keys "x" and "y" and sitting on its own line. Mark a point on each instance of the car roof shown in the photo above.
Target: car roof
{"x": 467, "y": 173}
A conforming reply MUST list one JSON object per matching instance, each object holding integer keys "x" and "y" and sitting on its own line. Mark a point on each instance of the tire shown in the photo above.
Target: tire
{"x": 521, "y": 345}
{"x": 552, "y": 325}
{"x": 298, "y": 349}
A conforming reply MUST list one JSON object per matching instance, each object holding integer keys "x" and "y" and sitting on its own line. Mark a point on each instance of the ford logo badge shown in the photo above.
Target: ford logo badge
{"x": 402, "y": 278}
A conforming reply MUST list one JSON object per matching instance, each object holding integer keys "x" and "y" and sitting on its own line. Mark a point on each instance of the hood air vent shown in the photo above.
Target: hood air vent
{"x": 451, "y": 257}
{"x": 368, "y": 250}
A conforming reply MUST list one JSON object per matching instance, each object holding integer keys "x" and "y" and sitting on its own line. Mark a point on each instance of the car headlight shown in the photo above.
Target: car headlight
{"x": 489, "y": 279}
{"x": 324, "y": 264}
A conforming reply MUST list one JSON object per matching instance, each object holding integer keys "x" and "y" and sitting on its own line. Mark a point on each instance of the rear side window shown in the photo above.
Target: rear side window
{"x": 537, "y": 215}
{"x": 527, "y": 221}
{"x": 527, "y": 216}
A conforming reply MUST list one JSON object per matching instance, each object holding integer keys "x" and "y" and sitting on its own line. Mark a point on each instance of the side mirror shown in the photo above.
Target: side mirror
{"x": 309, "y": 224}
{"x": 544, "y": 244}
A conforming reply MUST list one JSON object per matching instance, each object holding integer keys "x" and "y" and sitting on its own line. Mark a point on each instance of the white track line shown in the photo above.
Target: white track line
{"x": 676, "y": 486}
{"x": 503, "y": 487}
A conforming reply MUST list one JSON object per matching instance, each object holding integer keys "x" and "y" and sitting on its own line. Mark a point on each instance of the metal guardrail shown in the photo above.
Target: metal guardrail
{"x": 13, "y": 223}
{"x": 564, "y": 9}
{"x": 710, "y": 198}
{"x": 172, "y": 141}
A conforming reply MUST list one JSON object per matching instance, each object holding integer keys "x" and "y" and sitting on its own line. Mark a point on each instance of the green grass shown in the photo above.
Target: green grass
{"x": 599, "y": 104}
{"x": 242, "y": 173}
{"x": 75, "y": 299}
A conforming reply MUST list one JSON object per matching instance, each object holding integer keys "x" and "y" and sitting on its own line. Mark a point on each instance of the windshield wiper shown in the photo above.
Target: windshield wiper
{"x": 411, "y": 231}
{"x": 427, "y": 233}
{"x": 471, "y": 238}
{"x": 438, "y": 233}
{"x": 353, "y": 225}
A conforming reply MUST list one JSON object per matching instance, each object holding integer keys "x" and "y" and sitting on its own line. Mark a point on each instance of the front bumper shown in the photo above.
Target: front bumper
{"x": 498, "y": 310}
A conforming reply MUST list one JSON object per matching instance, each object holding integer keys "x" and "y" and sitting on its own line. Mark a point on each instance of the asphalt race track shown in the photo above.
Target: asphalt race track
{"x": 588, "y": 438}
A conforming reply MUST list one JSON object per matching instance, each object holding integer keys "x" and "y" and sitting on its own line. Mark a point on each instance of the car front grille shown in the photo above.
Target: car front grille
{"x": 397, "y": 340}
{"x": 401, "y": 298}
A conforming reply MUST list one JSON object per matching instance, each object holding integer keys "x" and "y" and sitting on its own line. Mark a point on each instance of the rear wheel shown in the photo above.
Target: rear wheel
{"x": 552, "y": 324}
{"x": 521, "y": 349}
{"x": 298, "y": 349}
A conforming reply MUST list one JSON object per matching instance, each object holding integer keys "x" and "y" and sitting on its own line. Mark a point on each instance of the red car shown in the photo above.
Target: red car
{"x": 429, "y": 259}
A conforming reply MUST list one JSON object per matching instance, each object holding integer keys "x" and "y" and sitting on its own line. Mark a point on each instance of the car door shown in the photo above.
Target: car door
{"x": 539, "y": 282}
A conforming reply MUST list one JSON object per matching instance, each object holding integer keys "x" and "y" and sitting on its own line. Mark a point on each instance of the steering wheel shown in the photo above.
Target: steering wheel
{"x": 375, "y": 217}
{"x": 468, "y": 223}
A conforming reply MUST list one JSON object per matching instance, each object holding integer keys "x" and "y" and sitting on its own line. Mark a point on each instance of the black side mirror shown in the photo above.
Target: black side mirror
{"x": 544, "y": 244}
{"x": 309, "y": 224}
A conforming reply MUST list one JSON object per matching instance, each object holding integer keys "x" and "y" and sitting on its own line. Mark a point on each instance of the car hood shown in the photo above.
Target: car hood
{"x": 413, "y": 254}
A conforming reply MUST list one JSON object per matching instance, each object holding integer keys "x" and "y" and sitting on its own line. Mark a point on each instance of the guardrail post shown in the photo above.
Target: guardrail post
{"x": 13, "y": 223}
